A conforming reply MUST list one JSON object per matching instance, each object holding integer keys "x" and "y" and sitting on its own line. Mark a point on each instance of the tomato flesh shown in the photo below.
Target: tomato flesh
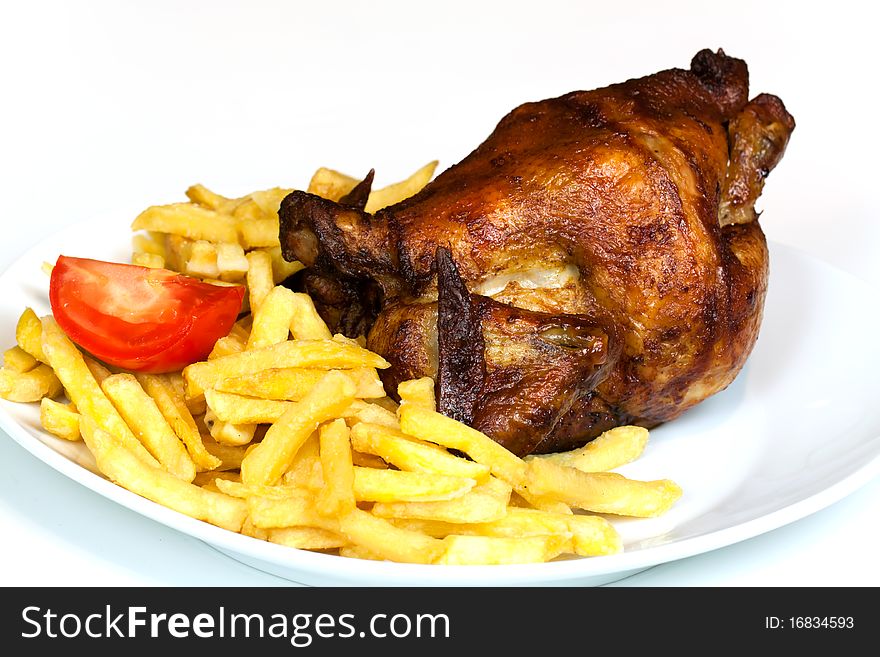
{"x": 138, "y": 318}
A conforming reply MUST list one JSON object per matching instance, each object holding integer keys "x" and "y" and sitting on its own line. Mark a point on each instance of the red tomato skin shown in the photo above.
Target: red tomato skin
{"x": 174, "y": 321}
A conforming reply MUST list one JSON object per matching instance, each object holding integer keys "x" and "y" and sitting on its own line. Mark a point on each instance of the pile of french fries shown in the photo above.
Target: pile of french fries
{"x": 285, "y": 432}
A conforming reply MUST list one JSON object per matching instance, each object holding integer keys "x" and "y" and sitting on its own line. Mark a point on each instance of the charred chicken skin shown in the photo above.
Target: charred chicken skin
{"x": 597, "y": 261}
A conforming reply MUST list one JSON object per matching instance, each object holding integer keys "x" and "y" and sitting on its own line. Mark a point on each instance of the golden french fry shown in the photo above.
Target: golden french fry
{"x": 306, "y": 538}
{"x": 228, "y": 344}
{"x": 28, "y": 334}
{"x": 158, "y": 485}
{"x": 202, "y": 261}
{"x": 141, "y": 413}
{"x": 483, "y": 503}
{"x": 272, "y": 319}
{"x": 281, "y": 268}
{"x": 208, "y": 478}
{"x": 408, "y": 453}
{"x": 188, "y": 220}
{"x": 601, "y": 492}
{"x": 173, "y": 408}
{"x": 373, "y": 485}
{"x": 360, "y": 411}
{"x": 260, "y": 279}
{"x": 230, "y": 456}
{"x": 206, "y": 198}
{"x": 83, "y": 389}
{"x": 227, "y": 433}
{"x": 272, "y": 456}
{"x": 295, "y": 510}
{"x": 397, "y": 192}
{"x": 269, "y": 200}
{"x": 59, "y": 419}
{"x": 306, "y": 472}
{"x": 29, "y": 386}
{"x": 258, "y": 232}
{"x": 337, "y": 495}
{"x": 18, "y": 360}
{"x": 434, "y": 427}
{"x": 419, "y": 392}
{"x": 306, "y": 323}
{"x": 491, "y": 550}
{"x": 151, "y": 243}
{"x": 589, "y": 535}
{"x": 331, "y": 184}
{"x": 293, "y": 383}
{"x": 380, "y": 537}
{"x": 322, "y": 354}
{"x": 613, "y": 448}
{"x": 151, "y": 260}
{"x": 231, "y": 261}
{"x": 238, "y": 409}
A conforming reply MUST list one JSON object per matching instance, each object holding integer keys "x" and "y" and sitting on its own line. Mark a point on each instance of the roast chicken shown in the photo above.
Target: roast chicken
{"x": 596, "y": 261}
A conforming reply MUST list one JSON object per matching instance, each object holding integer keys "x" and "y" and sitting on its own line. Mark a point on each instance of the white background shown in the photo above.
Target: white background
{"x": 108, "y": 104}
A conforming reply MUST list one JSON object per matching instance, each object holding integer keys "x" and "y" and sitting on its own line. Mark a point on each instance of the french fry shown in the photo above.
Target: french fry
{"x": 202, "y": 261}
{"x": 18, "y": 360}
{"x": 434, "y": 427}
{"x": 374, "y": 485}
{"x": 281, "y": 268}
{"x": 492, "y": 550}
{"x": 227, "y": 433}
{"x": 231, "y": 261}
{"x": 306, "y": 538}
{"x": 306, "y": 323}
{"x": 272, "y": 319}
{"x": 151, "y": 260}
{"x": 412, "y": 454}
{"x": 322, "y": 354}
{"x": 260, "y": 279}
{"x": 295, "y": 510}
{"x": 148, "y": 243}
{"x": 206, "y": 198}
{"x": 589, "y": 535}
{"x": 419, "y": 392}
{"x": 28, "y": 334}
{"x": 258, "y": 232}
{"x": 188, "y": 220}
{"x": 331, "y": 184}
{"x": 238, "y": 409}
{"x": 158, "y": 485}
{"x": 397, "y": 192}
{"x": 141, "y": 413}
{"x": 175, "y": 411}
{"x": 271, "y": 457}
{"x": 84, "y": 391}
{"x": 30, "y": 386}
{"x": 380, "y": 537}
{"x": 269, "y": 200}
{"x": 293, "y": 383}
{"x": 483, "y": 503}
{"x": 612, "y": 449}
{"x": 306, "y": 473}
{"x": 337, "y": 495}
{"x": 601, "y": 492}
{"x": 228, "y": 344}
{"x": 59, "y": 419}
{"x": 229, "y": 456}
{"x": 361, "y": 411}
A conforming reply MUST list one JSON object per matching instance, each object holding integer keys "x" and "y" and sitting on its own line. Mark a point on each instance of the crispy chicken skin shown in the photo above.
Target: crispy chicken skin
{"x": 597, "y": 261}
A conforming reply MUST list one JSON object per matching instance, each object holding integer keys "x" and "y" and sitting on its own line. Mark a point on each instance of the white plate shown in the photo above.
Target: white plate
{"x": 798, "y": 430}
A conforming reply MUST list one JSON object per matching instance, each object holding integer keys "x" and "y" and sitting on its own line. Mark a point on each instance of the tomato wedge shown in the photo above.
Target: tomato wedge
{"x": 137, "y": 318}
